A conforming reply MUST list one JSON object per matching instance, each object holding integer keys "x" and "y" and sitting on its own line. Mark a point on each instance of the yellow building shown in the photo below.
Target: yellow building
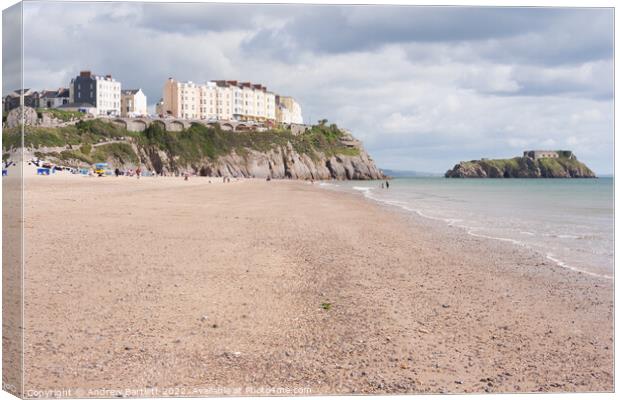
{"x": 181, "y": 99}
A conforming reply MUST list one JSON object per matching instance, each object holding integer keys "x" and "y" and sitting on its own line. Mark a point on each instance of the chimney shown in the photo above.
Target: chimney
{"x": 85, "y": 74}
{"x": 108, "y": 76}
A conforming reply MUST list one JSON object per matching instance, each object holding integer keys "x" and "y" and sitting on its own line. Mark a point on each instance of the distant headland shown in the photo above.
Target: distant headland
{"x": 533, "y": 164}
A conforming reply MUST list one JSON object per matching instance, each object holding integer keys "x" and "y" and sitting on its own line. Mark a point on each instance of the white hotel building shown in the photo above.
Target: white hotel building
{"x": 219, "y": 100}
{"x": 101, "y": 92}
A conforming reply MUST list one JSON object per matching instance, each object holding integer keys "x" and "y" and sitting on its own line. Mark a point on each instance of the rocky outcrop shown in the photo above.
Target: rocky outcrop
{"x": 522, "y": 167}
{"x": 28, "y": 116}
{"x": 21, "y": 115}
{"x": 279, "y": 163}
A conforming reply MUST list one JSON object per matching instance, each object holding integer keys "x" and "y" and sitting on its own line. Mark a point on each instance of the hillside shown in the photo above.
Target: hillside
{"x": 522, "y": 167}
{"x": 322, "y": 152}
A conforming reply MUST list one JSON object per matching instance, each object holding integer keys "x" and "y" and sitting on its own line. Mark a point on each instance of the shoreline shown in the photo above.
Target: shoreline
{"x": 413, "y": 307}
{"x": 450, "y": 223}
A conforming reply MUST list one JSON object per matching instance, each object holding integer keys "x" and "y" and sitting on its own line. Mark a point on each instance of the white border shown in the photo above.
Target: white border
{"x": 486, "y": 3}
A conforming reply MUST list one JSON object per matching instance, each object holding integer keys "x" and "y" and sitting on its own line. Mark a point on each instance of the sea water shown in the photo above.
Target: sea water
{"x": 568, "y": 221}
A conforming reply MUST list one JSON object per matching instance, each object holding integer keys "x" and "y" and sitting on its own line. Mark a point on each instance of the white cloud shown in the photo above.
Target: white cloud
{"x": 421, "y": 96}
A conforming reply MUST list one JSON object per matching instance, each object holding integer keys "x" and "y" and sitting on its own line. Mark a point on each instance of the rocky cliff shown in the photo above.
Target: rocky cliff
{"x": 522, "y": 167}
{"x": 321, "y": 152}
{"x": 281, "y": 161}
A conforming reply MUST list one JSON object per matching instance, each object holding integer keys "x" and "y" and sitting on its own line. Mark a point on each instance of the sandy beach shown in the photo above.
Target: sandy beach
{"x": 253, "y": 287}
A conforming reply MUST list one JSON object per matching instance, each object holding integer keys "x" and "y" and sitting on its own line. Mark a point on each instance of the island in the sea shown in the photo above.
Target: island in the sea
{"x": 533, "y": 164}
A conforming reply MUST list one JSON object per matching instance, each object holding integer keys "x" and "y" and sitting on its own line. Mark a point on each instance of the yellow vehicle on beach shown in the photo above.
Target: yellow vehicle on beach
{"x": 100, "y": 169}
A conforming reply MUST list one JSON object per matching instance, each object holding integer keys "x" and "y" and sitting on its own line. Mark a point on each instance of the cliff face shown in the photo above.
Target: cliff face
{"x": 522, "y": 167}
{"x": 320, "y": 152}
{"x": 282, "y": 161}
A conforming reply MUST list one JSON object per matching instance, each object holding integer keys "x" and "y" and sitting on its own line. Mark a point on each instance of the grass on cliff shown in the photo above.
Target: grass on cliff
{"x": 63, "y": 115}
{"x": 551, "y": 166}
{"x": 120, "y": 152}
{"x": 325, "y": 139}
{"x": 199, "y": 141}
{"x": 187, "y": 146}
{"x": 548, "y": 166}
{"x": 558, "y": 166}
{"x": 84, "y": 132}
{"x": 522, "y": 167}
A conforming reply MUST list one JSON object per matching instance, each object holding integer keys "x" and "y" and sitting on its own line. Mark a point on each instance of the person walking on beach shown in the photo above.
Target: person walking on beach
{"x": 382, "y": 185}
{"x": 138, "y": 171}
{"x": 117, "y": 172}
{"x": 387, "y": 184}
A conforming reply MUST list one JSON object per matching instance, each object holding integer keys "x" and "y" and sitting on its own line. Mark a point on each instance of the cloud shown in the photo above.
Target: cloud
{"x": 423, "y": 87}
{"x": 11, "y": 48}
{"x": 546, "y": 35}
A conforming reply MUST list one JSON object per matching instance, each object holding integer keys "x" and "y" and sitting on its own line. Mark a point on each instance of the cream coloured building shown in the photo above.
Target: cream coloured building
{"x": 219, "y": 100}
{"x": 181, "y": 99}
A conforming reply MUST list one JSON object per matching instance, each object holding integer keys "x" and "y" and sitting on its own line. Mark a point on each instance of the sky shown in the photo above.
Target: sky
{"x": 422, "y": 87}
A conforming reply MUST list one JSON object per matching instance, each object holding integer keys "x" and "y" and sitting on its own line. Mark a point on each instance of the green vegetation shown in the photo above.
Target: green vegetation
{"x": 121, "y": 152}
{"x": 63, "y": 115}
{"x": 325, "y": 139}
{"x": 36, "y": 137}
{"x": 85, "y": 148}
{"x": 72, "y": 156}
{"x": 499, "y": 168}
{"x": 551, "y": 166}
{"x": 524, "y": 167}
{"x": 199, "y": 141}
{"x": 563, "y": 165}
{"x": 82, "y": 133}
{"x": 86, "y": 141}
{"x": 326, "y": 306}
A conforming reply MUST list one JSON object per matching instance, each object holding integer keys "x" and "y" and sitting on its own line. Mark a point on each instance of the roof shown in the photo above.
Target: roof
{"x": 542, "y": 151}
{"x": 250, "y": 85}
{"x": 77, "y": 105}
{"x": 130, "y": 91}
{"x": 19, "y": 92}
{"x": 90, "y": 75}
{"x": 50, "y": 94}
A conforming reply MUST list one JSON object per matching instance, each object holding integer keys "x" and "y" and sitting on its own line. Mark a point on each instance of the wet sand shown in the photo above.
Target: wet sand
{"x": 167, "y": 287}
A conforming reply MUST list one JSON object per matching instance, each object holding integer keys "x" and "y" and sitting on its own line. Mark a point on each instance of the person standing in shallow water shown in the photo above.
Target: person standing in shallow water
{"x": 387, "y": 184}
